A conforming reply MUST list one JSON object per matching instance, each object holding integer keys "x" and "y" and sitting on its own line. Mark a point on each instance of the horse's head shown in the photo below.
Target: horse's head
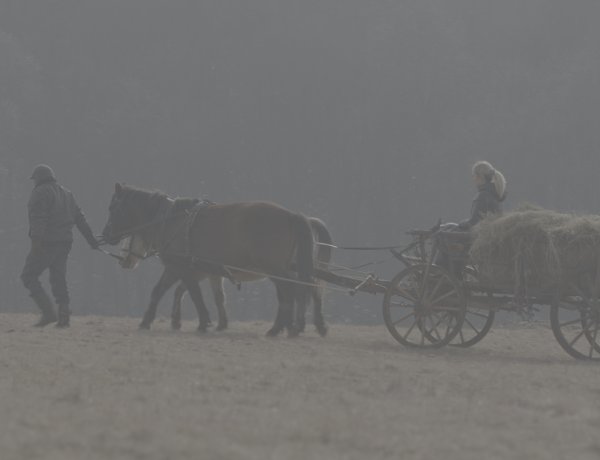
{"x": 133, "y": 250}
{"x": 123, "y": 215}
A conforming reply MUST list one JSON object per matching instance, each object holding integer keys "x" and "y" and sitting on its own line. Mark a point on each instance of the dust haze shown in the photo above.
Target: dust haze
{"x": 367, "y": 115}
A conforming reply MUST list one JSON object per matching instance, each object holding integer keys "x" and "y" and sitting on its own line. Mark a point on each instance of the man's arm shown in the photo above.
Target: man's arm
{"x": 478, "y": 211}
{"x": 83, "y": 227}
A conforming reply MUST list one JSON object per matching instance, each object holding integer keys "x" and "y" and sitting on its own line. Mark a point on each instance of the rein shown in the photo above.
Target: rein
{"x": 112, "y": 254}
{"x": 124, "y": 234}
{"x": 120, "y": 258}
{"x": 359, "y": 248}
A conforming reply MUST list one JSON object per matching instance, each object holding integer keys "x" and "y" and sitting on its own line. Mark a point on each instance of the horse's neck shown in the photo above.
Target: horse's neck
{"x": 154, "y": 234}
{"x": 170, "y": 234}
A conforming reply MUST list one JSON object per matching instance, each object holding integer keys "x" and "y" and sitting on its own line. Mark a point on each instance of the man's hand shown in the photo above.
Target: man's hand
{"x": 94, "y": 243}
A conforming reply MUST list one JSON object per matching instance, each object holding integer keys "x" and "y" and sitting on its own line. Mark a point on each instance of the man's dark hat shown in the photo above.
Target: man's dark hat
{"x": 42, "y": 173}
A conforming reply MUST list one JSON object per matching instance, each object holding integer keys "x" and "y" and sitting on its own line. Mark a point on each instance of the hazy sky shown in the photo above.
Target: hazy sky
{"x": 367, "y": 114}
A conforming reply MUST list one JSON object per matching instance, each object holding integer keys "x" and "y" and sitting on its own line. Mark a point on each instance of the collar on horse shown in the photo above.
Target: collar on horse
{"x": 188, "y": 258}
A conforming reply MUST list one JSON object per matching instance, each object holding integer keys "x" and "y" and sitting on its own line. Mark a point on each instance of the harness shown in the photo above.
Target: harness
{"x": 187, "y": 258}
{"x": 161, "y": 244}
{"x": 162, "y": 219}
{"x": 191, "y": 220}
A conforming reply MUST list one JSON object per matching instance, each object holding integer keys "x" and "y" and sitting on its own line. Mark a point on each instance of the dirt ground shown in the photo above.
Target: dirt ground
{"x": 103, "y": 390}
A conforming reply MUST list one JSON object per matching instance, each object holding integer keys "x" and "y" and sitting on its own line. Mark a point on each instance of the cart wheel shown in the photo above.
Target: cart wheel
{"x": 424, "y": 307}
{"x": 478, "y": 321}
{"x": 576, "y": 323}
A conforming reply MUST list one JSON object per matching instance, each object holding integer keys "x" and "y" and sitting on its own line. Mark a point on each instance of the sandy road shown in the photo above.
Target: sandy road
{"x": 104, "y": 390}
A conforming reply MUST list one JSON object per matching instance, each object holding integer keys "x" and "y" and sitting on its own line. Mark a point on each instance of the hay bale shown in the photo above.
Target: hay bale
{"x": 536, "y": 247}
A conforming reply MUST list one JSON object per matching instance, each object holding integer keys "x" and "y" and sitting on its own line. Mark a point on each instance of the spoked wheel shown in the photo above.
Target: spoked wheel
{"x": 478, "y": 320}
{"x": 424, "y": 307}
{"x": 576, "y": 325}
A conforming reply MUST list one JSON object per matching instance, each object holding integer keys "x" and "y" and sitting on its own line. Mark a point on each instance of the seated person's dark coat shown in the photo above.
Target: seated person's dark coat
{"x": 485, "y": 202}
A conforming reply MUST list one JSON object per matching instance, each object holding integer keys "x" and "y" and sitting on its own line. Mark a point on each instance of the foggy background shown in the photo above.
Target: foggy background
{"x": 367, "y": 114}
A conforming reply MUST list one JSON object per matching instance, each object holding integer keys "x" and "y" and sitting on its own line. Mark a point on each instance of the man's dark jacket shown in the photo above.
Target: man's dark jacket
{"x": 52, "y": 213}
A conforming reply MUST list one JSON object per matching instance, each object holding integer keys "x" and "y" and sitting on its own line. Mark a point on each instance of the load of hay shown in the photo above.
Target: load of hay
{"x": 536, "y": 248}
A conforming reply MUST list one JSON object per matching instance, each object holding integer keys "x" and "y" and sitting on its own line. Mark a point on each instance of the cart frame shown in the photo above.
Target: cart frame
{"x": 438, "y": 299}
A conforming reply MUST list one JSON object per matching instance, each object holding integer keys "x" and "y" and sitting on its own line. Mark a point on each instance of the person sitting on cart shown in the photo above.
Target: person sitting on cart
{"x": 491, "y": 192}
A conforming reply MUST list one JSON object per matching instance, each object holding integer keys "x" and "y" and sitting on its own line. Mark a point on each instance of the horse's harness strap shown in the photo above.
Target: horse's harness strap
{"x": 169, "y": 208}
{"x": 186, "y": 227}
{"x": 196, "y": 262}
{"x": 162, "y": 242}
{"x": 188, "y": 257}
{"x": 191, "y": 221}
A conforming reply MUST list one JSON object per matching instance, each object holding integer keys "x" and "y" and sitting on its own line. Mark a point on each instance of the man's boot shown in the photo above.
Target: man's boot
{"x": 45, "y": 304}
{"x": 64, "y": 315}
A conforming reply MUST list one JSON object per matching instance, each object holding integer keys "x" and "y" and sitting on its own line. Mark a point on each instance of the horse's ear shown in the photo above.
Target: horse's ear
{"x": 118, "y": 188}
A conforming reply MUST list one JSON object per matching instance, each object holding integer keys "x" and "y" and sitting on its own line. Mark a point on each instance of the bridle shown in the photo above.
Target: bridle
{"x": 130, "y": 232}
{"x": 166, "y": 216}
{"x": 149, "y": 253}
{"x": 162, "y": 218}
{"x": 128, "y": 251}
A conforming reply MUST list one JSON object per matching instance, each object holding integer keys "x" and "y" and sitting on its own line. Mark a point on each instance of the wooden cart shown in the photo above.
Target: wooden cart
{"x": 439, "y": 298}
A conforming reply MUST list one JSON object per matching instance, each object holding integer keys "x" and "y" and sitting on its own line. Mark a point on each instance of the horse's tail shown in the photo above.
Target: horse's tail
{"x": 322, "y": 235}
{"x": 304, "y": 256}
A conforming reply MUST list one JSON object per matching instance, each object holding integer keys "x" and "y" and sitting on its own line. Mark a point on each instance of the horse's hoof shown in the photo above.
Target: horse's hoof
{"x": 221, "y": 327}
{"x": 176, "y": 326}
{"x": 202, "y": 329}
{"x": 322, "y": 330}
{"x": 144, "y": 326}
{"x": 273, "y": 332}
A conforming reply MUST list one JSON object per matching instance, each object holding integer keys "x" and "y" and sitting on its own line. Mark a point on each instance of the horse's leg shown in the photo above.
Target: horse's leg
{"x": 176, "y": 311}
{"x": 300, "y": 314}
{"x": 317, "y": 297}
{"x": 301, "y": 297}
{"x": 324, "y": 253}
{"x": 196, "y": 294}
{"x": 284, "y": 318}
{"x": 278, "y": 325}
{"x": 216, "y": 284}
{"x": 168, "y": 279}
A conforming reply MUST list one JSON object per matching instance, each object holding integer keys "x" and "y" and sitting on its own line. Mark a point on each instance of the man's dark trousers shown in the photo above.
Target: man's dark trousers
{"x": 52, "y": 256}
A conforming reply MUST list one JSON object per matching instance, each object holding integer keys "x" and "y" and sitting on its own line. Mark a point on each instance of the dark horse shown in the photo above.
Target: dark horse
{"x": 132, "y": 252}
{"x": 244, "y": 241}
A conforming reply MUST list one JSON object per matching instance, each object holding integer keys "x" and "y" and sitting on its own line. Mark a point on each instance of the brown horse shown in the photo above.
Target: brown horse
{"x": 244, "y": 241}
{"x": 133, "y": 251}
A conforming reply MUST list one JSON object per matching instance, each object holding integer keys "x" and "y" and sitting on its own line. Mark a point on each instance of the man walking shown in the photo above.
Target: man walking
{"x": 52, "y": 214}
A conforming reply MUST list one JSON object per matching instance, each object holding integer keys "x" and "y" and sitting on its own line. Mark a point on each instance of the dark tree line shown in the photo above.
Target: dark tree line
{"x": 366, "y": 114}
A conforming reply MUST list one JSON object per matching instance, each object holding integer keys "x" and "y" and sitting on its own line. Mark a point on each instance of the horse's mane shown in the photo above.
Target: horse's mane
{"x": 149, "y": 200}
